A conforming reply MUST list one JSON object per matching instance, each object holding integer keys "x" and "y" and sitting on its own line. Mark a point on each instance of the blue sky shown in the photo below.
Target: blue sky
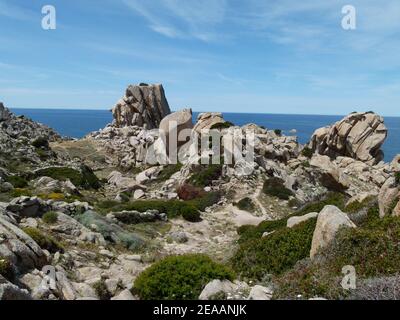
{"x": 269, "y": 56}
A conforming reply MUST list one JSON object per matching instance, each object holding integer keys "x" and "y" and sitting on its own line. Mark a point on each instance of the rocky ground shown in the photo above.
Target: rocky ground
{"x": 97, "y": 218}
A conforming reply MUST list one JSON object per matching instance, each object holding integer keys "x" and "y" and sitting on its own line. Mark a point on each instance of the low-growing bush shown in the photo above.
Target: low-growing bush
{"x": 255, "y": 232}
{"x": 41, "y": 142}
{"x": 333, "y": 198}
{"x": 19, "y": 192}
{"x": 101, "y": 290}
{"x": 307, "y": 152}
{"x": 179, "y": 277}
{"x": 275, "y": 253}
{"x": 278, "y": 132}
{"x": 373, "y": 248}
{"x": 44, "y": 241}
{"x": 246, "y": 204}
{"x": 222, "y": 125}
{"x": 17, "y": 181}
{"x": 190, "y": 213}
{"x": 84, "y": 178}
{"x": 168, "y": 171}
{"x": 6, "y": 269}
{"x": 275, "y": 187}
{"x": 50, "y": 217}
{"x": 397, "y": 178}
{"x": 208, "y": 200}
{"x": 357, "y": 206}
{"x": 205, "y": 175}
{"x": 189, "y": 192}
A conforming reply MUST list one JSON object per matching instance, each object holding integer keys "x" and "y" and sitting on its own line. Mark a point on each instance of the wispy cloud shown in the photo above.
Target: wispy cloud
{"x": 10, "y": 10}
{"x": 182, "y": 19}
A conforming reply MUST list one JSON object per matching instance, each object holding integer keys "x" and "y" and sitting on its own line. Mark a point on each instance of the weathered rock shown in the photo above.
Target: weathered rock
{"x": 124, "y": 295}
{"x": 260, "y": 293}
{"x": 217, "y": 286}
{"x": 207, "y": 120}
{"x": 4, "y": 112}
{"x": 8, "y": 291}
{"x": 359, "y": 136}
{"x": 179, "y": 237}
{"x": 293, "y": 221}
{"x": 23, "y": 253}
{"x": 26, "y": 207}
{"x": 142, "y": 105}
{"x": 389, "y": 197}
{"x": 330, "y": 220}
{"x": 174, "y": 124}
{"x": 332, "y": 177}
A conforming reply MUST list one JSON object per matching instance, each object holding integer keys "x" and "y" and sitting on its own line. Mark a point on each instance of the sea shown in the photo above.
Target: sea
{"x": 78, "y": 123}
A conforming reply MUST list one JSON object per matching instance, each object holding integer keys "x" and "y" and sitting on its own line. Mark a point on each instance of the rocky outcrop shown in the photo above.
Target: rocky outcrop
{"x": 19, "y": 248}
{"x": 330, "y": 220}
{"x": 207, "y": 120}
{"x": 358, "y": 136}
{"x": 142, "y": 105}
{"x": 4, "y": 113}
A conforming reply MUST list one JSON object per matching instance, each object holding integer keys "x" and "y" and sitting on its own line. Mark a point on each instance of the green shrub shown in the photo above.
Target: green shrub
{"x": 275, "y": 187}
{"x": 179, "y": 277}
{"x": 84, "y": 178}
{"x": 110, "y": 231}
{"x": 276, "y": 253}
{"x": 101, "y": 290}
{"x": 44, "y": 241}
{"x": 17, "y": 181}
{"x": 307, "y": 152}
{"x": 6, "y": 269}
{"x": 397, "y": 177}
{"x": 246, "y": 204}
{"x": 222, "y": 125}
{"x": 41, "y": 142}
{"x": 18, "y": 192}
{"x": 255, "y": 232}
{"x": 373, "y": 249}
{"x": 191, "y": 214}
{"x": 333, "y": 198}
{"x": 357, "y": 206}
{"x": 208, "y": 200}
{"x": 50, "y": 217}
{"x": 205, "y": 175}
{"x": 278, "y": 132}
{"x": 168, "y": 171}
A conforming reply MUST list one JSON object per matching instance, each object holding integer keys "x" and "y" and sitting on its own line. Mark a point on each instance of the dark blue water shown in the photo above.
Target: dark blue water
{"x": 78, "y": 123}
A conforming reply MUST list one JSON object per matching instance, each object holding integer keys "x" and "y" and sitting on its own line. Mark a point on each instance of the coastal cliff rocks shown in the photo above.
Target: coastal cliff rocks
{"x": 358, "y": 136}
{"x": 142, "y": 106}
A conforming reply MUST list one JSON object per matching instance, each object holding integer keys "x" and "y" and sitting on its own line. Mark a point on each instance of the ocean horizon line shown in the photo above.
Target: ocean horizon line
{"x": 195, "y": 111}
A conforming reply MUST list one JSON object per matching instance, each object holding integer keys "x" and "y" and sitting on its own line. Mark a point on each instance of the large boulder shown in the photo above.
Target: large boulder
{"x": 143, "y": 106}
{"x": 330, "y": 220}
{"x": 332, "y": 177}
{"x": 358, "y": 136}
{"x": 177, "y": 121}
